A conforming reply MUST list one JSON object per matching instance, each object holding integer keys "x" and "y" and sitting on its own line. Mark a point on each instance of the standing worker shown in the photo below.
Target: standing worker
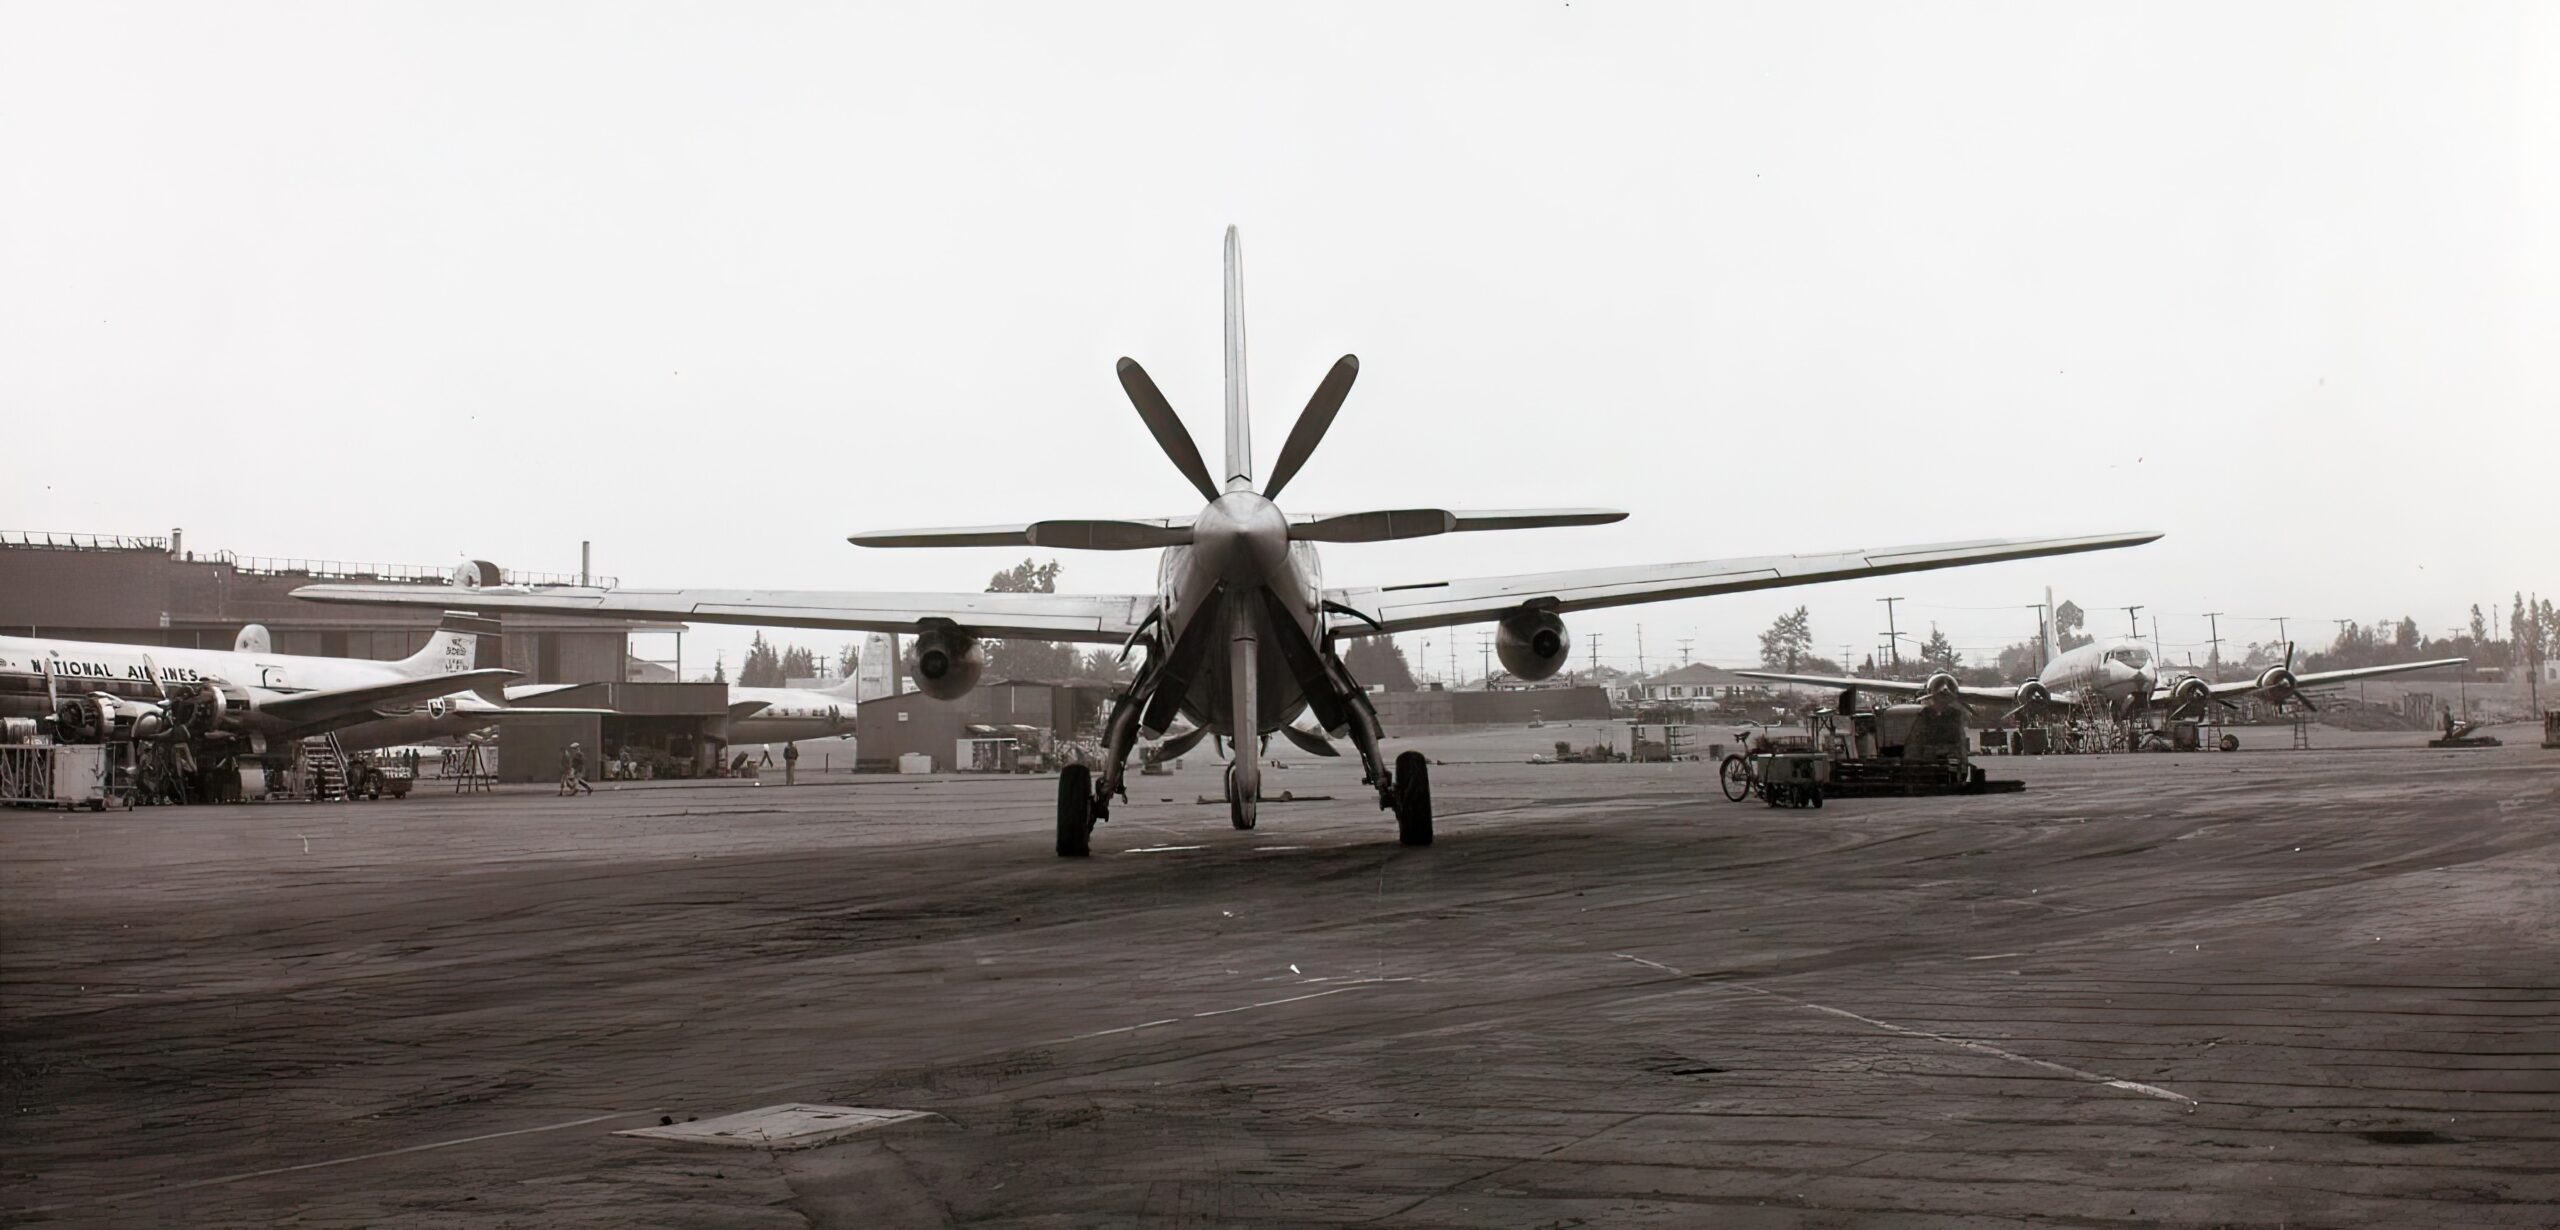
{"x": 577, "y": 780}
{"x": 790, "y": 764}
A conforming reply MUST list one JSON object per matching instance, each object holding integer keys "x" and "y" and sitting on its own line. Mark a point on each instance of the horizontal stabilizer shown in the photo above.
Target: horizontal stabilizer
{"x": 1069, "y": 535}
{"x": 1389, "y": 524}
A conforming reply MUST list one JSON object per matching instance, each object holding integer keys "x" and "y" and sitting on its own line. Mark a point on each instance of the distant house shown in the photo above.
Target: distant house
{"x": 1697, "y": 683}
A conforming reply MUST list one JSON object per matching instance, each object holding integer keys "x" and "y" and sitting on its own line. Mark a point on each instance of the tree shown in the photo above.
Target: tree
{"x": 2067, "y": 621}
{"x": 719, "y": 668}
{"x": 1788, "y": 639}
{"x": 2479, "y": 626}
{"x": 2405, "y": 637}
{"x": 763, "y": 667}
{"x": 848, "y": 661}
{"x": 1379, "y": 660}
{"x": 1026, "y": 578}
{"x": 1025, "y": 659}
{"x": 1940, "y": 652}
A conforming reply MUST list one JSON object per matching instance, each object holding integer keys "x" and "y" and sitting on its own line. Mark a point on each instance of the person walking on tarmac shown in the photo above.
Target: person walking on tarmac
{"x": 790, "y": 764}
{"x": 573, "y": 771}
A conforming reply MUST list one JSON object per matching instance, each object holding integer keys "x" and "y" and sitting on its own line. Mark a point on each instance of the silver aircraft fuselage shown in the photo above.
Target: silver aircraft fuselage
{"x": 1240, "y": 545}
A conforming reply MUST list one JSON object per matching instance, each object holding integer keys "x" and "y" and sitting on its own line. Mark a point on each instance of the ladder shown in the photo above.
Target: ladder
{"x": 475, "y": 776}
{"x": 324, "y": 768}
{"x": 2301, "y": 730}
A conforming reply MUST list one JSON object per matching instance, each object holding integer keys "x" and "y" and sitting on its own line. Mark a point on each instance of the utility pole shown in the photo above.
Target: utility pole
{"x": 2133, "y": 621}
{"x": 1892, "y": 636}
{"x": 1453, "y": 661}
{"x": 1684, "y": 649}
{"x": 2533, "y": 663}
{"x": 1639, "y": 651}
{"x": 1484, "y": 643}
{"x": 1595, "y": 658}
{"x": 2213, "y": 661}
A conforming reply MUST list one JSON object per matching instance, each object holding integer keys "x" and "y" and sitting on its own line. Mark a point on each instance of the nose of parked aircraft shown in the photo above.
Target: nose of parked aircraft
{"x": 1243, "y": 536}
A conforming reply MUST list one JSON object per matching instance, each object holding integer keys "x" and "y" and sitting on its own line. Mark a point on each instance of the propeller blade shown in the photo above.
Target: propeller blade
{"x": 1312, "y": 422}
{"x": 2305, "y": 702}
{"x": 1311, "y": 742}
{"x": 1170, "y": 434}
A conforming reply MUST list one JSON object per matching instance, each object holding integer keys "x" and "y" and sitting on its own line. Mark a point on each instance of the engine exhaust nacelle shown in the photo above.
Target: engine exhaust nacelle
{"x": 1941, "y": 688}
{"x": 1531, "y": 644}
{"x": 948, "y": 663}
{"x": 2033, "y": 692}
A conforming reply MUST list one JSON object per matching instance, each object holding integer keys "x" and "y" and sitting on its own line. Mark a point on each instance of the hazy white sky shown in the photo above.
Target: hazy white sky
{"x": 715, "y": 285}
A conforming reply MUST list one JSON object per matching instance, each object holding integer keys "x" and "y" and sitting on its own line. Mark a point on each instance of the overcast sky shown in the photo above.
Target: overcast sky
{"x": 715, "y": 285}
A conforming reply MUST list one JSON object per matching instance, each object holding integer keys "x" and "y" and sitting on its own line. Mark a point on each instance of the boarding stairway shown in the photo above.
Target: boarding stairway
{"x": 324, "y": 769}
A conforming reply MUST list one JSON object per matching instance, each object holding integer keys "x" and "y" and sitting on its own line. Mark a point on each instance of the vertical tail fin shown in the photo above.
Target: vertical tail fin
{"x": 1239, "y": 472}
{"x": 460, "y": 642}
{"x": 2052, "y": 641}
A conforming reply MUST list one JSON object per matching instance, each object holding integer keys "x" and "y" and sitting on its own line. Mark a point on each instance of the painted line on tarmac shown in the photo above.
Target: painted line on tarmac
{"x": 335, "y": 1161}
{"x": 1361, "y": 984}
{"x": 2149, "y": 1091}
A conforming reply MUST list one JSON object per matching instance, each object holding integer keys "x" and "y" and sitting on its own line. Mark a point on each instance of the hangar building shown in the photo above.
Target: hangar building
{"x": 154, "y": 591}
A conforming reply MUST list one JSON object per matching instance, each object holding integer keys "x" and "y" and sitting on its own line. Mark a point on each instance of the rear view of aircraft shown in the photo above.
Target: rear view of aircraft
{"x": 1241, "y": 631}
{"x": 2114, "y": 675}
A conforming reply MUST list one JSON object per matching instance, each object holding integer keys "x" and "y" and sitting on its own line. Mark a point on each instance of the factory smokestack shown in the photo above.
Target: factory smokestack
{"x": 586, "y": 553}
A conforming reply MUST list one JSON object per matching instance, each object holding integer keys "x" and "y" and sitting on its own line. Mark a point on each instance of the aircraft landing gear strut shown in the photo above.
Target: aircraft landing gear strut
{"x": 1082, "y": 803}
{"x": 1406, "y": 790}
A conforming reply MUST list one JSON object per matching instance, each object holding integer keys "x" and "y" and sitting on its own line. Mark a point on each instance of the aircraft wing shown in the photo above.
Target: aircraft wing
{"x": 1105, "y": 619}
{"x": 1886, "y": 687}
{"x": 333, "y": 704}
{"x": 1437, "y": 604}
{"x": 2304, "y": 683}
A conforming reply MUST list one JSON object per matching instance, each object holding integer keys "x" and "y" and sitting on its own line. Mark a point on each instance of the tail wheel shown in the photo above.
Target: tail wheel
{"x": 1241, "y": 811}
{"x": 1413, "y": 799}
{"x": 1075, "y": 811}
{"x": 1736, "y": 776}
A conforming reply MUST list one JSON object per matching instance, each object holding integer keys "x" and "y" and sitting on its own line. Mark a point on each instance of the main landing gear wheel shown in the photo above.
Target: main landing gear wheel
{"x": 1075, "y": 811}
{"x": 1736, "y": 776}
{"x": 1241, "y": 811}
{"x": 1413, "y": 799}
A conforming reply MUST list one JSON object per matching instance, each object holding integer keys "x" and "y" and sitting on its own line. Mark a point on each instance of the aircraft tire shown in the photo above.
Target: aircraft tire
{"x": 1075, "y": 811}
{"x": 1413, "y": 799}
{"x": 1241, "y": 812}
{"x": 2230, "y": 743}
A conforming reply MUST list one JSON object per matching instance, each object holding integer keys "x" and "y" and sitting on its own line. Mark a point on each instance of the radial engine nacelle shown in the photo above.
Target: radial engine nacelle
{"x": 1531, "y": 644}
{"x": 948, "y": 663}
{"x": 2278, "y": 682}
{"x": 2189, "y": 693}
{"x": 1942, "y": 688}
{"x": 210, "y": 705}
{"x": 2033, "y": 692}
{"x": 90, "y": 719}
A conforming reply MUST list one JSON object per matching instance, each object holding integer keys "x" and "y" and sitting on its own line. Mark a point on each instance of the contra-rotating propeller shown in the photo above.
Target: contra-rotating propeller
{"x": 1377, "y": 525}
